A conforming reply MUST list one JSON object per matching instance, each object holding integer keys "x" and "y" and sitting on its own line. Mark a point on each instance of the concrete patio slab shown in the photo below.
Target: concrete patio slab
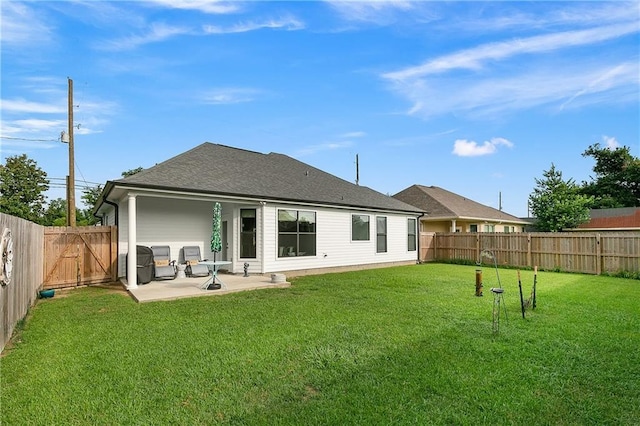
{"x": 192, "y": 287}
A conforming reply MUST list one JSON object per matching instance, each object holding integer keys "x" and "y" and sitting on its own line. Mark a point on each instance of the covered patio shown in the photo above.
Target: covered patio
{"x": 179, "y": 288}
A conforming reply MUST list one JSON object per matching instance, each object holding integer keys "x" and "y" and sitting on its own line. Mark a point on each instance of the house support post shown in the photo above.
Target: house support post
{"x": 132, "y": 259}
{"x": 453, "y": 225}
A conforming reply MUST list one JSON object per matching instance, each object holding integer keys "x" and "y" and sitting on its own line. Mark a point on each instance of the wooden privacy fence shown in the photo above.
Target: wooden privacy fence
{"x": 19, "y": 294}
{"x": 589, "y": 253}
{"x": 79, "y": 255}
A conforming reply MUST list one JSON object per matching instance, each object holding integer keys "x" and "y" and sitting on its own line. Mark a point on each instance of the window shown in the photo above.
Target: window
{"x": 489, "y": 228}
{"x": 381, "y": 234}
{"x": 507, "y": 229}
{"x": 411, "y": 234}
{"x": 473, "y": 228}
{"x": 248, "y": 233}
{"x": 296, "y": 233}
{"x": 359, "y": 227}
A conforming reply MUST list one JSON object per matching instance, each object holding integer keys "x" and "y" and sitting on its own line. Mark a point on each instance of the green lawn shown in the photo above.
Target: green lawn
{"x": 408, "y": 345}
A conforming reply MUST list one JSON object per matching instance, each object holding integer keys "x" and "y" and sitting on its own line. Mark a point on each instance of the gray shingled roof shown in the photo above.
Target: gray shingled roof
{"x": 218, "y": 169}
{"x": 440, "y": 203}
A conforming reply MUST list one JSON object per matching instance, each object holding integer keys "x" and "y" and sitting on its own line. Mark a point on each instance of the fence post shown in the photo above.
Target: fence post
{"x": 598, "y": 256}
{"x": 529, "y": 260}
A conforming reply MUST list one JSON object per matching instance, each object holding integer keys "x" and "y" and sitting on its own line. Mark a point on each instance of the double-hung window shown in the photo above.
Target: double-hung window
{"x": 296, "y": 233}
{"x": 411, "y": 234}
{"x": 359, "y": 227}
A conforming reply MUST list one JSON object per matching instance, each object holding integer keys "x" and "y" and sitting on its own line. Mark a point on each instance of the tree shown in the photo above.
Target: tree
{"x": 558, "y": 204}
{"x": 90, "y": 196}
{"x": 22, "y": 188}
{"x": 56, "y": 213}
{"x": 617, "y": 177}
{"x": 132, "y": 172}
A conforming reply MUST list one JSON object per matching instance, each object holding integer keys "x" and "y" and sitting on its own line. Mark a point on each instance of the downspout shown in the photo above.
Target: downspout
{"x": 262, "y": 239}
{"x": 418, "y": 225}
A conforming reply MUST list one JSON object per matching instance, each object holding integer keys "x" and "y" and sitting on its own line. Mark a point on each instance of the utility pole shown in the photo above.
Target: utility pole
{"x": 71, "y": 179}
{"x": 357, "y": 171}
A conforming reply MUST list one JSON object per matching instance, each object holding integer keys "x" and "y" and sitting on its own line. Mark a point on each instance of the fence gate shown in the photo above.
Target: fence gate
{"x": 427, "y": 246}
{"x": 75, "y": 256}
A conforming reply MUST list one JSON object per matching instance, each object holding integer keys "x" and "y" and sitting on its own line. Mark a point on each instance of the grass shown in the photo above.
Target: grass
{"x": 409, "y": 345}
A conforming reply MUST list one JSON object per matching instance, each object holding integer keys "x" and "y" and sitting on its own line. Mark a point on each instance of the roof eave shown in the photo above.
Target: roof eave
{"x": 249, "y": 197}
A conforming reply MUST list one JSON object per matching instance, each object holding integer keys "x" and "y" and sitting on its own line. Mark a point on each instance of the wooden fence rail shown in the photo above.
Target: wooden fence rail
{"x": 589, "y": 253}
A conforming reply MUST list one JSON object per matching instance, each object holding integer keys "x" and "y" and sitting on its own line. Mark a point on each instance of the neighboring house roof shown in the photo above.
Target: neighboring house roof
{"x": 226, "y": 171}
{"x": 624, "y": 218}
{"x": 440, "y": 204}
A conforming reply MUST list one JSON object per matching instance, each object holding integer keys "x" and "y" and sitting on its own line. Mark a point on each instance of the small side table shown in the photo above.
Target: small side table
{"x": 181, "y": 267}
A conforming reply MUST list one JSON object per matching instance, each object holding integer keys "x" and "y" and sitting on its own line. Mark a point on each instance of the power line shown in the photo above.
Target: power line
{"x": 30, "y": 140}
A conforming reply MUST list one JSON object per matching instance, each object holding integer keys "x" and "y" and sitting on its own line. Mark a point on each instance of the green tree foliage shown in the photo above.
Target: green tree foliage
{"x": 558, "y": 204}
{"x": 22, "y": 188}
{"x": 617, "y": 177}
{"x": 132, "y": 172}
{"x": 56, "y": 213}
{"x": 91, "y": 197}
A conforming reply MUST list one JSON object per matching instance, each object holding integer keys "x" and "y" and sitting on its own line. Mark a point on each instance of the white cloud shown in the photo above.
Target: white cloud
{"x": 22, "y": 26}
{"x": 37, "y": 126}
{"x": 466, "y": 148}
{"x": 328, "y": 146}
{"x": 475, "y": 58}
{"x": 610, "y": 142}
{"x": 44, "y": 114}
{"x": 379, "y": 12}
{"x": 156, "y": 32}
{"x": 205, "y": 6}
{"x": 353, "y": 135}
{"x": 21, "y": 105}
{"x": 230, "y": 95}
{"x": 547, "y": 16}
{"x": 288, "y": 23}
{"x": 547, "y": 69}
{"x": 556, "y": 84}
{"x": 604, "y": 81}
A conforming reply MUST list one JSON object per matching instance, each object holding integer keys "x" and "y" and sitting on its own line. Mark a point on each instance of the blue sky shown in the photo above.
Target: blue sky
{"x": 478, "y": 98}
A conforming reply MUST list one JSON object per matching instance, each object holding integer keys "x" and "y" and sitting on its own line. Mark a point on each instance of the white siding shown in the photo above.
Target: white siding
{"x": 334, "y": 247}
{"x": 178, "y": 223}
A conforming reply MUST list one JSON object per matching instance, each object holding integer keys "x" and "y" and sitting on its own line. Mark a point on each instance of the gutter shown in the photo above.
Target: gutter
{"x": 115, "y": 206}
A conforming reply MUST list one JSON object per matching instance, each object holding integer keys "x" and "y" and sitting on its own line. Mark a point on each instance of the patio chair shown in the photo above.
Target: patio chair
{"x": 164, "y": 267}
{"x": 192, "y": 258}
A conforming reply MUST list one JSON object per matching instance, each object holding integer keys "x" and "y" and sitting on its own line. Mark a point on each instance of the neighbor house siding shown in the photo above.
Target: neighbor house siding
{"x": 465, "y": 225}
{"x": 435, "y": 226}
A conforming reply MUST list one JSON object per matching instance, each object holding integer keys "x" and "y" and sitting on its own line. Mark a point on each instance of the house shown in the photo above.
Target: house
{"x": 278, "y": 214}
{"x": 449, "y": 212}
{"x": 617, "y": 219}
